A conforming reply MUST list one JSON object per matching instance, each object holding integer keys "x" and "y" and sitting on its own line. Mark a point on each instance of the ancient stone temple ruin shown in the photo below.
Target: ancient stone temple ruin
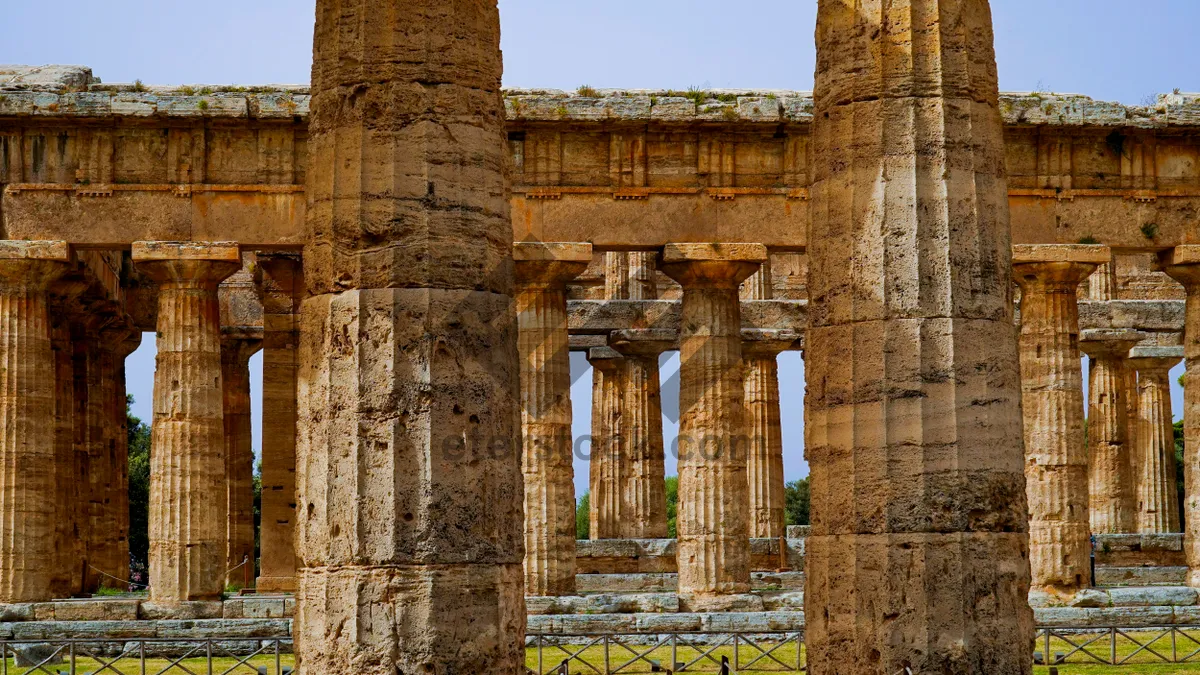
{"x": 417, "y": 252}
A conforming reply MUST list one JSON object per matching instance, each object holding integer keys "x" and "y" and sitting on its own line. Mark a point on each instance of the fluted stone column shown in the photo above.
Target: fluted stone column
{"x": 281, "y": 288}
{"x": 1154, "y": 457}
{"x": 1183, "y": 265}
{"x": 70, "y": 511}
{"x": 408, "y": 456}
{"x": 1101, "y": 284}
{"x": 917, "y": 558}
{"x": 28, "y": 494}
{"x": 712, "y": 520}
{"x": 239, "y": 455}
{"x": 607, "y": 466}
{"x": 542, "y": 273}
{"x": 643, "y": 496}
{"x": 119, "y": 486}
{"x": 1056, "y": 468}
{"x": 1112, "y": 504}
{"x": 764, "y": 458}
{"x": 630, "y": 275}
{"x": 187, "y": 456}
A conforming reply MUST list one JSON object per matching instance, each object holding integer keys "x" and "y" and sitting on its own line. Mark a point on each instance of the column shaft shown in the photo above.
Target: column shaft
{"x": 1056, "y": 469}
{"x": 607, "y": 466}
{"x": 630, "y": 275}
{"x": 408, "y": 464}
{"x": 1154, "y": 460}
{"x": 27, "y": 406}
{"x": 917, "y": 557}
{"x": 764, "y": 459}
{"x": 239, "y": 458}
{"x": 542, "y": 271}
{"x": 282, "y": 286}
{"x": 713, "y": 510}
{"x": 67, "y": 533}
{"x": 187, "y": 462}
{"x": 1112, "y": 504}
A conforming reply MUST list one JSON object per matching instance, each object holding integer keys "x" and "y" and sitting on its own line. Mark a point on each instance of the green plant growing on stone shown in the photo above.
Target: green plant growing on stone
{"x": 203, "y": 104}
{"x": 107, "y": 592}
{"x": 139, "y": 86}
{"x": 1150, "y": 230}
{"x": 205, "y": 91}
{"x": 187, "y": 91}
{"x": 730, "y": 113}
{"x": 588, "y": 92}
{"x": 562, "y": 111}
{"x": 1088, "y": 239}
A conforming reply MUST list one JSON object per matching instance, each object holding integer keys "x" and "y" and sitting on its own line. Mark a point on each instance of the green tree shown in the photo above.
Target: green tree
{"x": 672, "y": 505}
{"x": 796, "y": 501}
{"x": 257, "y": 482}
{"x": 583, "y": 517}
{"x": 139, "y": 485}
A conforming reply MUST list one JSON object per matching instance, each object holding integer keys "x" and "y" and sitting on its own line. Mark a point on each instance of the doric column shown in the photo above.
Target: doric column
{"x": 643, "y": 497}
{"x": 542, "y": 273}
{"x": 1056, "y": 469}
{"x": 759, "y": 285}
{"x": 1101, "y": 283}
{"x": 1183, "y": 265}
{"x": 1112, "y": 507}
{"x": 712, "y": 521}
{"x": 28, "y": 494}
{"x": 239, "y": 455}
{"x": 630, "y": 275}
{"x": 917, "y": 555}
{"x": 408, "y": 465}
{"x": 119, "y": 486}
{"x": 281, "y": 288}
{"x": 764, "y": 458}
{"x": 607, "y": 464}
{"x": 70, "y": 511}
{"x": 1153, "y": 459}
{"x": 187, "y": 460}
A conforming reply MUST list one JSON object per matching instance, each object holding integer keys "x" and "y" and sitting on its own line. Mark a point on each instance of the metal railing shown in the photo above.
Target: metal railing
{"x": 160, "y": 656}
{"x": 775, "y": 652}
{"x": 1118, "y": 646}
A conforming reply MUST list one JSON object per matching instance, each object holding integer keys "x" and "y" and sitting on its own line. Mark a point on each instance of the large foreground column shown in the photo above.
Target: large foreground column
{"x": 1154, "y": 457}
{"x": 1056, "y": 469}
{"x": 239, "y": 457}
{"x": 607, "y": 465}
{"x": 542, "y": 273}
{"x": 764, "y": 458}
{"x": 1112, "y": 507}
{"x": 27, "y": 444}
{"x": 917, "y": 559}
{"x": 713, "y": 517}
{"x": 1183, "y": 264}
{"x": 643, "y": 496}
{"x": 187, "y": 455}
{"x": 281, "y": 290}
{"x": 408, "y": 456}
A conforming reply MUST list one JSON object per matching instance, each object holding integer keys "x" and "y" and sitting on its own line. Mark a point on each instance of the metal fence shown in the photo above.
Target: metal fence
{"x": 668, "y": 653}
{"x": 1118, "y": 646}
{"x": 217, "y": 656}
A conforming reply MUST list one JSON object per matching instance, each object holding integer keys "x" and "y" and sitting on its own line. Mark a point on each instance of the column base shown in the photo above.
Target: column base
{"x": 275, "y": 585}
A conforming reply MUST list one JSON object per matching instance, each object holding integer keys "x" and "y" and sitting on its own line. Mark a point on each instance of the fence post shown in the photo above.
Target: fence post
{"x": 208, "y": 655}
{"x": 607, "y": 669}
{"x": 142, "y": 652}
{"x": 674, "y": 652}
{"x": 1112, "y": 645}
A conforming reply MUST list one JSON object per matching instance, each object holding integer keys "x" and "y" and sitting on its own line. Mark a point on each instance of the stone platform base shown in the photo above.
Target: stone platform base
{"x": 1141, "y": 576}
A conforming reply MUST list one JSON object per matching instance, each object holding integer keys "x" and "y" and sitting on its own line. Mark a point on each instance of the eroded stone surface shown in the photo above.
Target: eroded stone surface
{"x": 1112, "y": 503}
{"x": 1154, "y": 457}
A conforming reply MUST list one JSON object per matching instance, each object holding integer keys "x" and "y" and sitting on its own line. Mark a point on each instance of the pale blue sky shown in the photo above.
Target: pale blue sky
{"x": 1108, "y": 49}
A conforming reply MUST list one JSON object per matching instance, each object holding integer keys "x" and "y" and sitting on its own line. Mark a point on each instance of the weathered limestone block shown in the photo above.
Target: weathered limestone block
{"x": 1154, "y": 457}
{"x": 643, "y": 494}
{"x": 713, "y": 511}
{"x": 1112, "y": 506}
{"x": 1056, "y": 468}
{"x": 608, "y": 465}
{"x": 239, "y": 457}
{"x": 764, "y": 457}
{"x": 281, "y": 288}
{"x": 1183, "y": 264}
{"x": 187, "y": 463}
{"x": 408, "y": 457}
{"x": 918, "y": 553}
{"x": 28, "y": 494}
{"x": 542, "y": 272}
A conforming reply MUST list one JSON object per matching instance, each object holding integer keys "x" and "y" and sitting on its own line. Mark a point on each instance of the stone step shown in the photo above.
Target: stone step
{"x": 667, "y": 582}
{"x": 1141, "y": 576}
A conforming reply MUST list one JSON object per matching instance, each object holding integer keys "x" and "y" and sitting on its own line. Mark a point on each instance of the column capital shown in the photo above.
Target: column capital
{"x": 643, "y": 341}
{"x": 711, "y": 265}
{"x": 1057, "y": 264}
{"x": 1108, "y": 342}
{"x": 1155, "y": 358}
{"x": 168, "y": 262}
{"x": 1182, "y": 264}
{"x": 605, "y": 359}
{"x": 32, "y": 265}
{"x": 550, "y": 264}
{"x": 239, "y": 347}
{"x": 769, "y": 342}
